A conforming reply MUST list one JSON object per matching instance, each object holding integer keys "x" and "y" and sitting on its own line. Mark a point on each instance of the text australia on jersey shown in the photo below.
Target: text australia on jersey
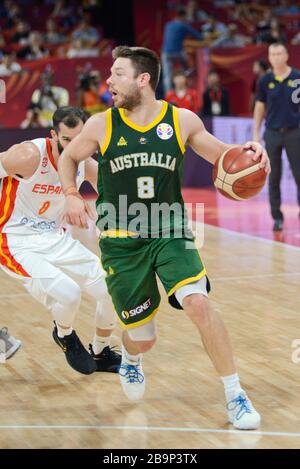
{"x": 135, "y": 160}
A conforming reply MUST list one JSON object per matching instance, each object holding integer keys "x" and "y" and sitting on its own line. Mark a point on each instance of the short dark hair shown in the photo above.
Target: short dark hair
{"x": 179, "y": 73}
{"x": 68, "y": 115}
{"x": 143, "y": 60}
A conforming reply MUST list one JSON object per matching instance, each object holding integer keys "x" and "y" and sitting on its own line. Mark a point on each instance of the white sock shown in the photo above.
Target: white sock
{"x": 99, "y": 343}
{"x": 232, "y": 386}
{"x": 61, "y": 332}
{"x": 131, "y": 358}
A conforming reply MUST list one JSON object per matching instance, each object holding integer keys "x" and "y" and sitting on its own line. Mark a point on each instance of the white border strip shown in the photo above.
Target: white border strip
{"x": 148, "y": 429}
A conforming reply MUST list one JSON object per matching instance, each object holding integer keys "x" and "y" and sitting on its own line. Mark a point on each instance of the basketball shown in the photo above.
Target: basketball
{"x": 236, "y": 175}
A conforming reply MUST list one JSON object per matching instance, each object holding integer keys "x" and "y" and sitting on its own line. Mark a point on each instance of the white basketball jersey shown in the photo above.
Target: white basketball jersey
{"x": 36, "y": 204}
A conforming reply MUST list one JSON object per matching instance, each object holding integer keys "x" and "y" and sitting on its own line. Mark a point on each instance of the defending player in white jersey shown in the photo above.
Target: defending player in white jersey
{"x": 37, "y": 251}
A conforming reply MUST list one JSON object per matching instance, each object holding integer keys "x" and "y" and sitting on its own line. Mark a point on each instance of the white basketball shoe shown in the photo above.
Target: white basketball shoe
{"x": 132, "y": 378}
{"x": 242, "y": 414}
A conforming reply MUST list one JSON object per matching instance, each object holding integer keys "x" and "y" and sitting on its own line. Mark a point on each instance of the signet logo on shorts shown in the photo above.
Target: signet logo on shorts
{"x": 137, "y": 310}
{"x": 125, "y": 315}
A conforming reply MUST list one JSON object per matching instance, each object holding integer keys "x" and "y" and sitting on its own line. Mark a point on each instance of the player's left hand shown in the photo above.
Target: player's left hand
{"x": 260, "y": 154}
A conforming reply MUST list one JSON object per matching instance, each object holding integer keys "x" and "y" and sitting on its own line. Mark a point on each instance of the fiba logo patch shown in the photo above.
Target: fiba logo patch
{"x": 164, "y": 131}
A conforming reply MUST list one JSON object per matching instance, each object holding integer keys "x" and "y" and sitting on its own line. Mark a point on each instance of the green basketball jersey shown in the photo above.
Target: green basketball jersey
{"x": 140, "y": 172}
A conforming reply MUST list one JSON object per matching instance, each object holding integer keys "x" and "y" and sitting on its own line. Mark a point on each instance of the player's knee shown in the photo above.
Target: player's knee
{"x": 196, "y": 308}
{"x": 67, "y": 293}
{"x": 145, "y": 345}
{"x": 72, "y": 297}
{"x": 106, "y": 316}
{"x": 143, "y": 336}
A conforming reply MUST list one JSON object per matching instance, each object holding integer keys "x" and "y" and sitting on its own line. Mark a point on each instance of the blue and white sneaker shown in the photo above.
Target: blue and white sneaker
{"x": 242, "y": 414}
{"x": 132, "y": 378}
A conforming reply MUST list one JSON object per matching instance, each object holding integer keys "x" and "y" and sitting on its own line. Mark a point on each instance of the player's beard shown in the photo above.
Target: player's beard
{"x": 132, "y": 100}
{"x": 60, "y": 148}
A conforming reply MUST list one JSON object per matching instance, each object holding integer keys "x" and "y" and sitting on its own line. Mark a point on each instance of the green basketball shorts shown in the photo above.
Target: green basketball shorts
{"x": 132, "y": 264}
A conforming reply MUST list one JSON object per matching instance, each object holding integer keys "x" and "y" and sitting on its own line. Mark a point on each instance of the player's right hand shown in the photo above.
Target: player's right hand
{"x": 77, "y": 211}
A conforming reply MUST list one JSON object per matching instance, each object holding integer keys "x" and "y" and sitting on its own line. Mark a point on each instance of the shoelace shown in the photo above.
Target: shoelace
{"x": 241, "y": 402}
{"x": 108, "y": 352}
{"x": 113, "y": 352}
{"x": 131, "y": 373}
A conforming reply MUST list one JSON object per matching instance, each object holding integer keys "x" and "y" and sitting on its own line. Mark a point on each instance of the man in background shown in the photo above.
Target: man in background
{"x": 275, "y": 99}
{"x": 182, "y": 95}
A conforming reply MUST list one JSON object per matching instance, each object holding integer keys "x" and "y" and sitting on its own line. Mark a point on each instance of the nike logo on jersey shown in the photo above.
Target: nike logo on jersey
{"x": 44, "y": 172}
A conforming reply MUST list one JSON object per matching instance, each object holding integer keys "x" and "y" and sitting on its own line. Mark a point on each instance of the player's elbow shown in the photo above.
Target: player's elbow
{"x": 259, "y": 108}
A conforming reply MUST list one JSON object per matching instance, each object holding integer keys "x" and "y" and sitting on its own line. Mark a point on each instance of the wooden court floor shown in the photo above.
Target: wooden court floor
{"x": 255, "y": 286}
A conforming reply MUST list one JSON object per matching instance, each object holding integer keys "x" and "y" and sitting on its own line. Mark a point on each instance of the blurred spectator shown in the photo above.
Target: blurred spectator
{"x": 35, "y": 50}
{"x": 49, "y": 97}
{"x": 21, "y": 35}
{"x": 191, "y": 11}
{"x": 224, "y": 3}
{"x": 201, "y": 15}
{"x": 11, "y": 12}
{"x": 92, "y": 94}
{"x": 2, "y": 42}
{"x": 33, "y": 118}
{"x": 231, "y": 38}
{"x": 215, "y": 97}
{"x": 296, "y": 39}
{"x": 175, "y": 32}
{"x": 182, "y": 95}
{"x": 53, "y": 36}
{"x": 8, "y": 66}
{"x": 86, "y": 33}
{"x": 79, "y": 48}
{"x": 285, "y": 8}
{"x": 264, "y": 24}
{"x": 259, "y": 69}
{"x": 275, "y": 34}
{"x": 64, "y": 12}
{"x": 213, "y": 26}
{"x": 92, "y": 10}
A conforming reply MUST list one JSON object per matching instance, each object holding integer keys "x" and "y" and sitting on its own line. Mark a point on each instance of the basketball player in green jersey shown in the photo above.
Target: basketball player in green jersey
{"x": 142, "y": 142}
